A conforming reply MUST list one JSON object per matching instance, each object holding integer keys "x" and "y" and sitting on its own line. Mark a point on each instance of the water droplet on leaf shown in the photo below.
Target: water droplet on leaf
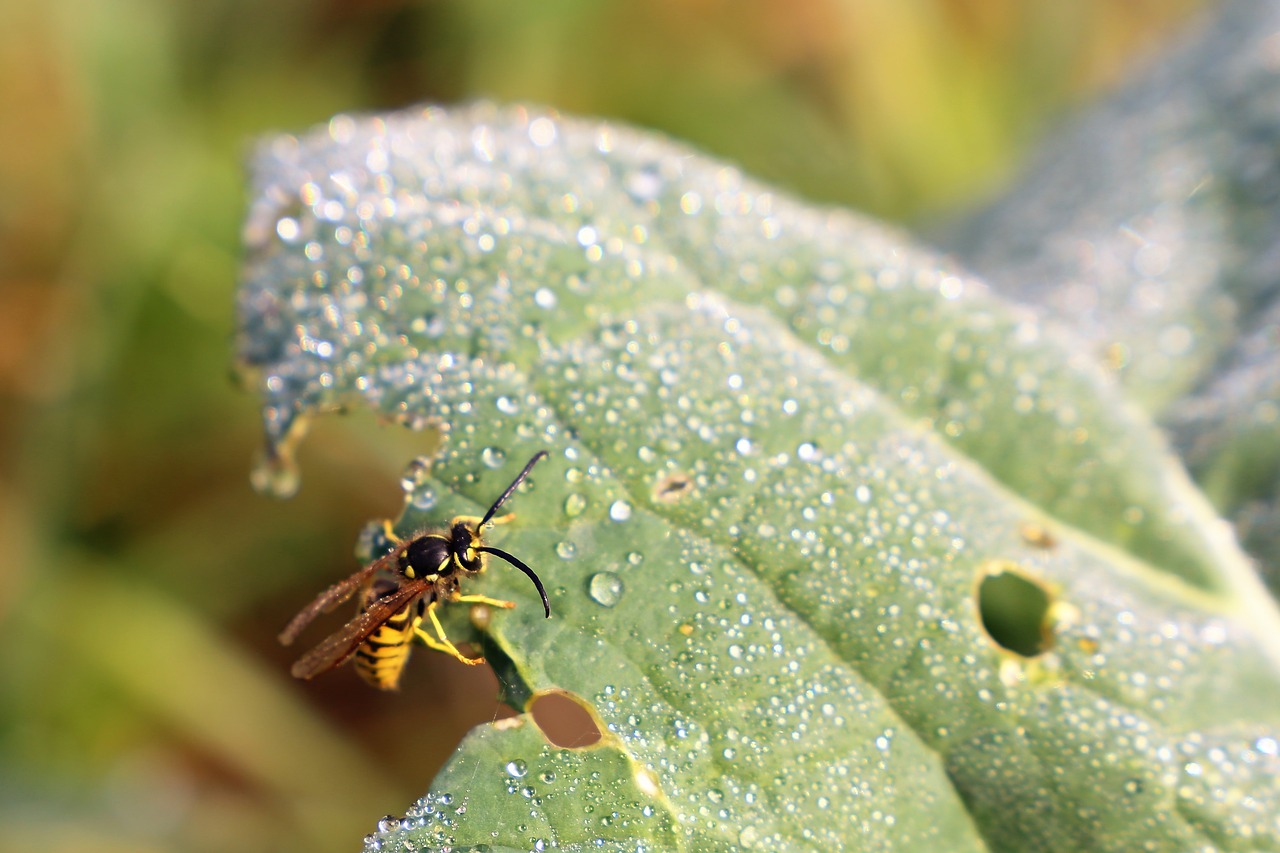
{"x": 605, "y": 588}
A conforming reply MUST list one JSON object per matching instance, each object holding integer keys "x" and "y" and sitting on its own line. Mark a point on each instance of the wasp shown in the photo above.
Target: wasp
{"x": 403, "y": 589}
{"x": 381, "y": 658}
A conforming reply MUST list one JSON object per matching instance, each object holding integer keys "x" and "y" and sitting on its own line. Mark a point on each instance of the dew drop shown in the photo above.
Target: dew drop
{"x": 644, "y": 184}
{"x": 275, "y": 475}
{"x": 516, "y": 768}
{"x": 566, "y": 549}
{"x": 423, "y": 500}
{"x": 620, "y": 511}
{"x": 574, "y": 505}
{"x": 544, "y": 298}
{"x": 288, "y": 229}
{"x": 493, "y": 457}
{"x": 415, "y": 473}
{"x": 605, "y": 588}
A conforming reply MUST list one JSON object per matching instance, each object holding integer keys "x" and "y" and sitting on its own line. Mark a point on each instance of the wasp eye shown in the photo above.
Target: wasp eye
{"x": 461, "y": 542}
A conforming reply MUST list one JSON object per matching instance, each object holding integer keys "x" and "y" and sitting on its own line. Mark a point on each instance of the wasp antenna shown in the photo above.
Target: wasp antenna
{"x": 537, "y": 457}
{"x": 522, "y": 567}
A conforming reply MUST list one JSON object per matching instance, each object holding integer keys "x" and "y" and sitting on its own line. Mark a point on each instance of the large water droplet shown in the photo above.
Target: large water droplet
{"x": 566, "y": 549}
{"x": 423, "y": 500}
{"x": 493, "y": 457}
{"x": 275, "y": 475}
{"x": 415, "y": 474}
{"x": 574, "y": 505}
{"x": 516, "y": 768}
{"x": 620, "y": 511}
{"x": 605, "y": 588}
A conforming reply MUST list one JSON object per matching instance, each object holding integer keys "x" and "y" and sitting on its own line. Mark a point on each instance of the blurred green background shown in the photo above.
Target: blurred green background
{"x": 144, "y": 703}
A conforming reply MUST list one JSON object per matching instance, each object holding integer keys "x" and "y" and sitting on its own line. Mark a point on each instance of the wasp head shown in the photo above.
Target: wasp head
{"x": 464, "y": 544}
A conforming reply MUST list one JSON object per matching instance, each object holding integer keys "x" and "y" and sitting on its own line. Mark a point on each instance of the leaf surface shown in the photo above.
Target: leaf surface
{"x": 788, "y": 449}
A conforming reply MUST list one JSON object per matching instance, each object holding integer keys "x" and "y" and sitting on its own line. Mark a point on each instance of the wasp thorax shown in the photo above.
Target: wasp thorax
{"x": 425, "y": 556}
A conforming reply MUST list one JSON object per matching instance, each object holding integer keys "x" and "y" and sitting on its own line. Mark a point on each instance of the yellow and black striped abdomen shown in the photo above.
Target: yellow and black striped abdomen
{"x": 383, "y": 655}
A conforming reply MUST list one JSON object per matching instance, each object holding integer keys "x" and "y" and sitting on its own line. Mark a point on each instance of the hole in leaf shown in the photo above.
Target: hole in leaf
{"x": 1014, "y": 610}
{"x": 565, "y": 720}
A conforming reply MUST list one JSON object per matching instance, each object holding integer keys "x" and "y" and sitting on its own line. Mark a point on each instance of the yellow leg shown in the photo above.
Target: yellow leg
{"x": 389, "y": 531}
{"x": 473, "y": 520}
{"x": 442, "y": 644}
{"x": 484, "y": 599}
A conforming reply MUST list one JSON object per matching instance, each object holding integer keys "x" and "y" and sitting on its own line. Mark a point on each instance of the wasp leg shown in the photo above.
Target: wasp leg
{"x": 484, "y": 599}
{"x": 442, "y": 644}
{"x": 389, "y": 531}
{"x": 473, "y": 520}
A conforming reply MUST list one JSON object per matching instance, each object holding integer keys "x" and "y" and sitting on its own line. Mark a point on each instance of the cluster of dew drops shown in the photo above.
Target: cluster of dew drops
{"x": 430, "y": 823}
{"x": 429, "y": 827}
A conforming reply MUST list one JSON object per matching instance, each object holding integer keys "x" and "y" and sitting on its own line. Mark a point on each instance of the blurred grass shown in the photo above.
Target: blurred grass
{"x": 144, "y": 704}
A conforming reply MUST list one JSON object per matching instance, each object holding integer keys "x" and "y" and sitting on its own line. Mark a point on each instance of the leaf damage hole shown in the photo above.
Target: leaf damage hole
{"x": 565, "y": 720}
{"x": 672, "y": 487}
{"x": 1014, "y": 609}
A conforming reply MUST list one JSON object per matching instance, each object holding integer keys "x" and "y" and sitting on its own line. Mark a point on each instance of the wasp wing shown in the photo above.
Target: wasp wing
{"x": 338, "y": 647}
{"x": 338, "y": 593}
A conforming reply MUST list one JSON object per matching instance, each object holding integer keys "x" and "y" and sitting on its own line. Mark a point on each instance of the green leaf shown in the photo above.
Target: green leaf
{"x": 574, "y": 799}
{"x": 803, "y": 476}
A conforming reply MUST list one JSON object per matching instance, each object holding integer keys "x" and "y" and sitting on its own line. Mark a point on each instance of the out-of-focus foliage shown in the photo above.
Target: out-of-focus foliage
{"x": 143, "y": 702}
{"x": 1150, "y": 229}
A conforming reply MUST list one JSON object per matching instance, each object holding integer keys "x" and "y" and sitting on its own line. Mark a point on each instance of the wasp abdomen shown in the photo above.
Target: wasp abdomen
{"x": 382, "y": 657}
